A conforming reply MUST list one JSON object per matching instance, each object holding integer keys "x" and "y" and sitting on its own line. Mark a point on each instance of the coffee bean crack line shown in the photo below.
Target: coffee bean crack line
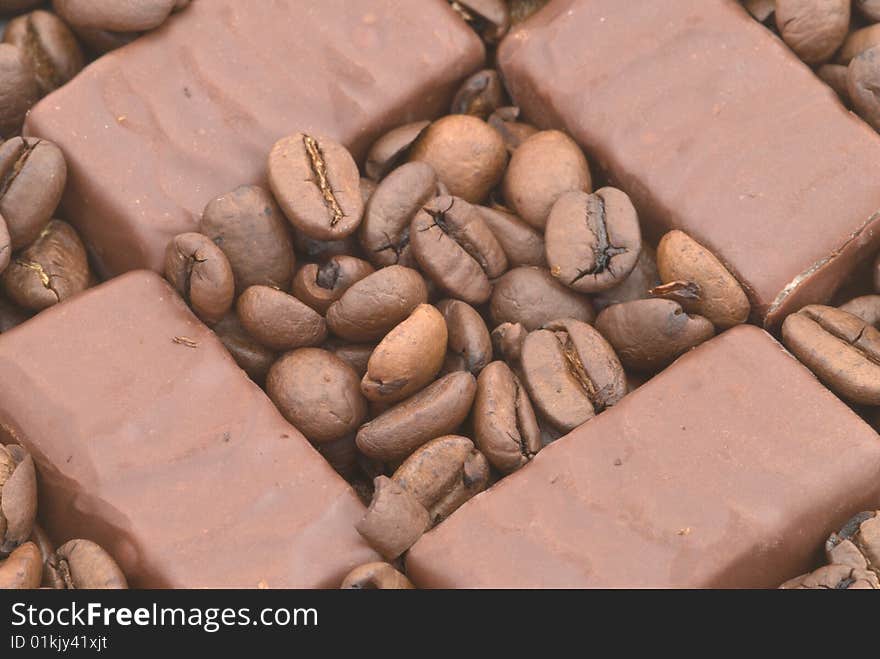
{"x": 603, "y": 250}
{"x": 319, "y": 170}
{"x": 45, "y": 69}
{"x": 20, "y": 162}
{"x": 577, "y": 370}
{"x": 45, "y": 277}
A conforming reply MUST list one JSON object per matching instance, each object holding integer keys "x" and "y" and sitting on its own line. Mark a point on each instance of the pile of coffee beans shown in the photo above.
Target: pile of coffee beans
{"x": 27, "y": 557}
{"x": 839, "y": 38}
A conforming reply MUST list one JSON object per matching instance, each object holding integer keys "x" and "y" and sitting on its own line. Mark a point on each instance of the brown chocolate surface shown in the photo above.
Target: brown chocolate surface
{"x": 154, "y": 131}
{"x": 728, "y": 469}
{"x": 150, "y": 441}
{"x": 713, "y": 126}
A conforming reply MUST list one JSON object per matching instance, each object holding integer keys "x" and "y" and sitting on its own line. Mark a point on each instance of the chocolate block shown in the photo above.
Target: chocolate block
{"x": 728, "y": 469}
{"x": 150, "y": 441}
{"x": 714, "y": 127}
{"x": 154, "y": 131}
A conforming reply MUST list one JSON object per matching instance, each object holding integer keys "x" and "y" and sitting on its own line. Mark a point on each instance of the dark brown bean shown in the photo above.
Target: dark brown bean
{"x": 835, "y": 76}
{"x": 252, "y": 357}
{"x": 857, "y": 42}
{"x": 468, "y": 336}
{"x": 18, "y": 90}
{"x": 520, "y": 10}
{"x": 33, "y": 174}
{"x": 762, "y": 10}
{"x": 279, "y": 321}
{"x": 250, "y": 229}
{"x": 51, "y": 579}
{"x": 23, "y": 569}
{"x": 436, "y": 410}
{"x": 319, "y": 286}
{"x": 84, "y": 565}
{"x": 11, "y": 315}
{"x": 200, "y": 272}
{"x": 866, "y": 307}
{"x": 532, "y": 297}
{"x": 479, "y": 95}
{"x": 521, "y": 243}
{"x": 342, "y": 454}
{"x": 48, "y": 45}
{"x": 18, "y": 497}
{"x": 390, "y": 150}
{"x": 394, "y": 520}
{"x": 318, "y": 393}
{"x": 863, "y": 83}
{"x": 489, "y": 18}
{"x": 513, "y": 132}
{"x": 356, "y": 355}
{"x": 375, "y": 576}
{"x": 636, "y": 286}
{"x": 813, "y": 29}
{"x": 114, "y": 15}
{"x": 16, "y": 6}
{"x": 320, "y": 250}
{"x": 53, "y": 269}
{"x": 507, "y": 340}
{"x": 870, "y": 9}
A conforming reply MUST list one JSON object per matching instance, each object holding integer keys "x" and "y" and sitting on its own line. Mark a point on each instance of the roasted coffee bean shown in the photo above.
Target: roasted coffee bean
{"x": 250, "y": 229}
{"x": 374, "y": 305}
{"x": 436, "y": 410}
{"x": 520, "y": 10}
{"x": 5, "y": 246}
{"x": 648, "y": 335}
{"x": 505, "y": 428}
{"x": 48, "y": 45}
{"x": 318, "y": 393}
{"x": 507, "y": 340}
{"x": 857, "y": 544}
{"x": 251, "y": 356}
{"x": 456, "y": 249}
{"x": 761, "y": 10}
{"x": 316, "y": 182}
{"x": 866, "y": 307}
{"x": 33, "y": 174}
{"x": 468, "y": 335}
{"x": 870, "y": 9}
{"x": 408, "y": 358}
{"x": 636, "y": 286}
{"x": 541, "y": 170}
{"x": 841, "y": 349}
{"x": 18, "y": 497}
{"x": 532, "y": 297}
{"x": 443, "y": 474}
{"x": 279, "y": 321}
{"x": 114, "y": 15}
{"x": 863, "y": 81}
{"x": 53, "y": 269}
{"x": 18, "y": 90}
{"x": 16, "y": 6}
{"x": 320, "y": 250}
{"x": 23, "y": 569}
{"x": 513, "y": 132}
{"x": 342, "y": 455}
{"x": 368, "y": 187}
{"x": 592, "y": 241}
{"x": 858, "y": 42}
{"x": 468, "y": 155}
{"x": 84, "y": 565}
{"x": 51, "y": 579}
{"x": 489, "y": 18}
{"x": 391, "y": 149}
{"x": 521, "y": 243}
{"x": 834, "y": 577}
{"x": 201, "y": 273}
{"x": 813, "y": 29}
{"x": 571, "y": 373}
{"x": 10, "y": 315}
{"x": 356, "y": 355}
{"x": 319, "y": 286}
{"x": 695, "y": 278}
{"x": 394, "y": 520}
{"x": 384, "y": 233}
{"x": 376, "y": 576}
{"x": 836, "y": 77}
{"x": 479, "y": 95}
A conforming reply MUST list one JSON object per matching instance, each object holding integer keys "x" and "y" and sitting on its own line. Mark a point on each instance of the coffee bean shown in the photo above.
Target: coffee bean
{"x": 201, "y": 273}
{"x": 571, "y": 373}
{"x": 520, "y": 10}
{"x": 5, "y": 246}
{"x": 507, "y": 340}
{"x": 468, "y": 155}
{"x": 456, "y": 249}
{"x": 316, "y": 182}
{"x": 436, "y": 410}
{"x": 318, "y": 393}
{"x": 857, "y": 544}
{"x": 521, "y": 243}
{"x": 320, "y": 250}
{"x": 648, "y": 335}
{"x": 857, "y": 42}
{"x": 252, "y": 357}
{"x": 391, "y": 149}
{"x": 23, "y": 569}
{"x": 319, "y": 286}
{"x": 368, "y": 187}
{"x": 384, "y": 233}
{"x": 250, "y": 229}
{"x": 84, "y": 565}
{"x": 16, "y": 6}
{"x": 696, "y": 279}
{"x": 18, "y": 497}
{"x": 18, "y": 90}
{"x": 376, "y": 576}
{"x": 443, "y": 474}
{"x": 542, "y": 169}
{"x": 505, "y": 428}
{"x": 479, "y": 95}
{"x": 468, "y": 336}
{"x": 10, "y": 315}
{"x": 50, "y": 579}
{"x": 863, "y": 78}
{"x": 489, "y": 18}
{"x": 834, "y": 577}
{"x": 342, "y": 455}
{"x": 394, "y": 520}
{"x": 513, "y": 132}
{"x": 761, "y": 10}
{"x": 279, "y": 321}
{"x": 532, "y": 297}
{"x": 866, "y": 307}
{"x": 870, "y": 9}
{"x": 592, "y": 241}
{"x": 408, "y": 358}
{"x": 49, "y": 47}
{"x": 835, "y": 76}
{"x": 813, "y": 29}
{"x": 33, "y": 174}
{"x": 841, "y": 349}
{"x": 356, "y": 355}
{"x": 114, "y": 15}
{"x": 53, "y": 269}
{"x": 374, "y": 305}
{"x": 636, "y": 286}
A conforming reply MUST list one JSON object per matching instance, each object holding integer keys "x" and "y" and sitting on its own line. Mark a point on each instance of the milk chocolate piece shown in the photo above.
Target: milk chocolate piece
{"x": 147, "y": 152}
{"x": 710, "y": 124}
{"x": 150, "y": 441}
{"x": 729, "y": 469}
